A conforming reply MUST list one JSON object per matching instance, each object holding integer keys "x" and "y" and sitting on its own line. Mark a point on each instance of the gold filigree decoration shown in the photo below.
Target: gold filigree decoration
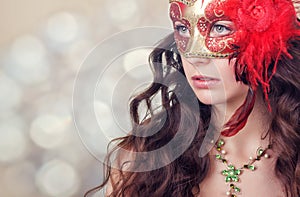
{"x": 186, "y": 2}
{"x": 219, "y": 15}
{"x": 206, "y": 55}
{"x": 224, "y": 43}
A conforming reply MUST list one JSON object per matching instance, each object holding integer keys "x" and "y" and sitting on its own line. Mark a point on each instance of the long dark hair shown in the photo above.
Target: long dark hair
{"x": 181, "y": 176}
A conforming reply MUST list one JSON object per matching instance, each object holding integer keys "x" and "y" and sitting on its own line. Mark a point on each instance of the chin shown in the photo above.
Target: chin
{"x": 210, "y": 100}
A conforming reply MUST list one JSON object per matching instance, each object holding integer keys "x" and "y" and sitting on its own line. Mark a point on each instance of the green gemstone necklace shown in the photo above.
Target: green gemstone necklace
{"x": 232, "y": 173}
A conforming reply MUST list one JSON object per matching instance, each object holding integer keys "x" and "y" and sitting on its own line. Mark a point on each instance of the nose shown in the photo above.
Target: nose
{"x": 198, "y": 61}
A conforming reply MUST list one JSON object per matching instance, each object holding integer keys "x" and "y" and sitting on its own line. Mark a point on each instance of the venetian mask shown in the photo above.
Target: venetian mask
{"x": 205, "y": 28}
{"x": 255, "y": 32}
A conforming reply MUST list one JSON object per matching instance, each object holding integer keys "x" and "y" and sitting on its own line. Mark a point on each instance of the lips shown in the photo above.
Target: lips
{"x": 204, "y": 82}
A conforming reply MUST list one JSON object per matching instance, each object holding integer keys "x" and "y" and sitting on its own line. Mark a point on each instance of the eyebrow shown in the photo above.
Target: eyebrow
{"x": 225, "y": 22}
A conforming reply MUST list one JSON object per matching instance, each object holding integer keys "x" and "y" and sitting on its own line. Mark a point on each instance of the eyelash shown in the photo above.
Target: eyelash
{"x": 216, "y": 26}
{"x": 181, "y": 28}
{"x": 220, "y": 26}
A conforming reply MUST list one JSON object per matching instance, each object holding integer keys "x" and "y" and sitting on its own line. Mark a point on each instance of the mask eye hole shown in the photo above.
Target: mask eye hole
{"x": 222, "y": 28}
{"x": 181, "y": 29}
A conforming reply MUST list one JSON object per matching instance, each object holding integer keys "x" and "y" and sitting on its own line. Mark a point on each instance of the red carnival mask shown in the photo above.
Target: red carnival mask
{"x": 255, "y": 32}
{"x": 200, "y": 20}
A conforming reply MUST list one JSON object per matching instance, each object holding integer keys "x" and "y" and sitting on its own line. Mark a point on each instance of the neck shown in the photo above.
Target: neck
{"x": 248, "y": 139}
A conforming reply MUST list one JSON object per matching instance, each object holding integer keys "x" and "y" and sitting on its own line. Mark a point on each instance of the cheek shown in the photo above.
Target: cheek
{"x": 181, "y": 41}
{"x": 234, "y": 90}
{"x": 176, "y": 15}
{"x": 236, "y": 93}
{"x": 189, "y": 70}
{"x": 227, "y": 75}
{"x": 187, "y": 67}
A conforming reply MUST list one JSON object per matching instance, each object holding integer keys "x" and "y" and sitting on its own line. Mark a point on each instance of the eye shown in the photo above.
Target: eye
{"x": 221, "y": 29}
{"x": 182, "y": 29}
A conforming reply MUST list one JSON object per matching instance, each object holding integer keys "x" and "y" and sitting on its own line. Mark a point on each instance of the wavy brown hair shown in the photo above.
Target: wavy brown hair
{"x": 177, "y": 113}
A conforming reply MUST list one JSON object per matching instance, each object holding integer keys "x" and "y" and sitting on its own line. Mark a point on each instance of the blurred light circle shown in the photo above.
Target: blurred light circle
{"x": 28, "y": 62}
{"x": 137, "y": 58}
{"x": 49, "y": 131}
{"x": 62, "y": 27}
{"x": 76, "y": 54}
{"x": 57, "y": 178}
{"x": 123, "y": 13}
{"x": 13, "y": 143}
{"x": 10, "y": 93}
{"x": 104, "y": 117}
{"x": 27, "y": 50}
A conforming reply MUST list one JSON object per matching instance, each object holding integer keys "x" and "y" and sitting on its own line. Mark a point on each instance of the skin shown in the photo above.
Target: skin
{"x": 225, "y": 90}
{"x": 225, "y": 97}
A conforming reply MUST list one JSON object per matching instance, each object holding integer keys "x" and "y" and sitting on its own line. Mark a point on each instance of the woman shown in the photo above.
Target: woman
{"x": 240, "y": 63}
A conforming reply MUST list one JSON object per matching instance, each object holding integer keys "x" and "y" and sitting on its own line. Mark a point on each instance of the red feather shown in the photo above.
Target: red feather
{"x": 264, "y": 29}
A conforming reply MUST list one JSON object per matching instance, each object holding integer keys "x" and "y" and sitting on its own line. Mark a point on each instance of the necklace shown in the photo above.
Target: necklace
{"x": 231, "y": 172}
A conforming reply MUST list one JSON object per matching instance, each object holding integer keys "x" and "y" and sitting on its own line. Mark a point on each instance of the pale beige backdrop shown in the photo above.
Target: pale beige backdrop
{"x": 42, "y": 44}
{"x": 18, "y": 17}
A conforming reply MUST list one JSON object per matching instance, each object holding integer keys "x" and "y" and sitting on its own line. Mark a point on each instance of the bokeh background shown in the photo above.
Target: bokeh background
{"x": 42, "y": 45}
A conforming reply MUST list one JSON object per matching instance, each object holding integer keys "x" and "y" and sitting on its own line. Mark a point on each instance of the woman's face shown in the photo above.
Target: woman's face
{"x": 213, "y": 81}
